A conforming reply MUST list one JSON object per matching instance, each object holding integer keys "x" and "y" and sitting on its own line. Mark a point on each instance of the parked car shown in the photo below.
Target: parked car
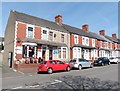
{"x": 53, "y": 65}
{"x": 115, "y": 59}
{"x": 102, "y": 61}
{"x": 80, "y": 63}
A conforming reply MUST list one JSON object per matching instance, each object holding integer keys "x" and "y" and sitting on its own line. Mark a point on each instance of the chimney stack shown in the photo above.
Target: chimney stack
{"x": 114, "y": 36}
{"x": 102, "y": 32}
{"x": 58, "y": 19}
{"x": 85, "y": 27}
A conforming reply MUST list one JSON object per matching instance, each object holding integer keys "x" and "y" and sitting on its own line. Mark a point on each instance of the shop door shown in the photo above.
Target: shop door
{"x": 44, "y": 53}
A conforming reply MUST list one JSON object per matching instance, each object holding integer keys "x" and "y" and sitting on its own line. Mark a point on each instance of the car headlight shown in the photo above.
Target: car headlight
{"x": 100, "y": 61}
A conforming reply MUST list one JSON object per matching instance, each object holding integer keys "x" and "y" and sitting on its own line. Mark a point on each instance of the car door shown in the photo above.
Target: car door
{"x": 60, "y": 65}
{"x": 87, "y": 63}
{"x": 82, "y": 62}
{"x": 53, "y": 65}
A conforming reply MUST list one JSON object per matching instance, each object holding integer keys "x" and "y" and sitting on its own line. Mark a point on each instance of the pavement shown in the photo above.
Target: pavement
{"x": 15, "y": 80}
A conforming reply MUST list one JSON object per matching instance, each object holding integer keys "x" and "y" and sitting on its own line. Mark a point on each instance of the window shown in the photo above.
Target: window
{"x": 83, "y": 41}
{"x": 62, "y": 37}
{"x": 50, "y": 35}
{"x": 59, "y": 62}
{"x": 24, "y": 54}
{"x": 59, "y": 53}
{"x": 93, "y": 42}
{"x": 64, "y": 52}
{"x": 87, "y": 42}
{"x": 52, "y": 62}
{"x": 76, "y": 39}
{"x": 44, "y": 32}
{"x": 30, "y": 53}
{"x": 30, "y": 32}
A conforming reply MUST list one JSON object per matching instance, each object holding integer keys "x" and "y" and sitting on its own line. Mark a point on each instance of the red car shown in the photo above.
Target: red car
{"x": 53, "y": 65}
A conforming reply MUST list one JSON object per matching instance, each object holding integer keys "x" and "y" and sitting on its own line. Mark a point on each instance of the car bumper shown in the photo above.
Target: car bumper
{"x": 97, "y": 63}
{"x": 74, "y": 65}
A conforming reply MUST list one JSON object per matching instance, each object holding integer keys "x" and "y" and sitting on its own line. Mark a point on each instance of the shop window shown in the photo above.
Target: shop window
{"x": 62, "y": 38}
{"x": 64, "y": 52}
{"x": 24, "y": 54}
{"x": 31, "y": 51}
{"x": 30, "y": 32}
{"x": 59, "y": 52}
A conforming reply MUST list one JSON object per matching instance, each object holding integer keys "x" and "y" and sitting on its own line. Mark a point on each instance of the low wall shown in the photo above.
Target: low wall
{"x": 26, "y": 67}
{"x": 1, "y": 58}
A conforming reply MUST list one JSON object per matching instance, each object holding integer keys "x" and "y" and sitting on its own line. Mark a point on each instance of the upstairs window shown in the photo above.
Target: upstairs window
{"x": 101, "y": 44}
{"x": 30, "y": 32}
{"x": 44, "y": 32}
{"x": 93, "y": 42}
{"x": 87, "y": 41}
{"x": 62, "y": 38}
{"x": 83, "y": 41}
{"x": 50, "y": 35}
{"x": 76, "y": 39}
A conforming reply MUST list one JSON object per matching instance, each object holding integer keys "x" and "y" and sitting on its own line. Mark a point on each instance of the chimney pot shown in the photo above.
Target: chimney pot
{"x": 85, "y": 27}
{"x": 114, "y": 36}
{"x": 58, "y": 19}
{"x": 102, "y": 32}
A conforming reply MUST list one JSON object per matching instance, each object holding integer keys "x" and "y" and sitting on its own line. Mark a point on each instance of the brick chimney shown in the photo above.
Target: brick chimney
{"x": 114, "y": 36}
{"x": 102, "y": 32}
{"x": 85, "y": 27}
{"x": 58, "y": 19}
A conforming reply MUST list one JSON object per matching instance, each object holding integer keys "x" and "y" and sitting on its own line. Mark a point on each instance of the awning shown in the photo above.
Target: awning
{"x": 83, "y": 46}
{"x": 44, "y": 42}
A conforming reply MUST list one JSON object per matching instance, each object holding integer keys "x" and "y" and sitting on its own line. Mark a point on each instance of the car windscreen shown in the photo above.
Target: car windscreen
{"x": 72, "y": 61}
{"x": 111, "y": 58}
{"x": 100, "y": 58}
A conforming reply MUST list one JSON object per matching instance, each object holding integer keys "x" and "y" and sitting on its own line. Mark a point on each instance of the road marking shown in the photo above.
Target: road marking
{"x": 17, "y": 87}
{"x": 32, "y": 86}
{"x": 56, "y": 81}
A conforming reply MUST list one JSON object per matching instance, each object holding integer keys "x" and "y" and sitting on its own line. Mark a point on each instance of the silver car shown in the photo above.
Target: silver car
{"x": 80, "y": 63}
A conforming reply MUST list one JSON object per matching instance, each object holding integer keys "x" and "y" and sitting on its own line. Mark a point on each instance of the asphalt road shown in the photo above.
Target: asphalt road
{"x": 109, "y": 72}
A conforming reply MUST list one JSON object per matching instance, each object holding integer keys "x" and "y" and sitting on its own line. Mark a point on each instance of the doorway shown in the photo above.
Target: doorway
{"x": 44, "y": 53}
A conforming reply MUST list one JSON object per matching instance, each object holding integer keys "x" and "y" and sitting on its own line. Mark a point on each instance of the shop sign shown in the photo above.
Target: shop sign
{"x": 55, "y": 51}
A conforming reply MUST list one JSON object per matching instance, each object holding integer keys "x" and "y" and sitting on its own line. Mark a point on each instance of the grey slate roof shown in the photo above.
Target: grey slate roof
{"x": 52, "y": 25}
{"x": 37, "y": 21}
{"x": 112, "y": 39}
{"x": 82, "y": 32}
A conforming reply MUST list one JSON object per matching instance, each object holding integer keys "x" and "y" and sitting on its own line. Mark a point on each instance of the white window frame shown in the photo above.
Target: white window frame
{"x": 29, "y": 25}
{"x": 47, "y": 34}
{"x": 83, "y": 42}
{"x": 87, "y": 43}
{"x": 75, "y": 40}
{"x": 93, "y": 42}
{"x": 100, "y": 44}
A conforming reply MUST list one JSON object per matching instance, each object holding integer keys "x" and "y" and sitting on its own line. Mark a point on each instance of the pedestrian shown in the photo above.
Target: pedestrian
{"x": 39, "y": 60}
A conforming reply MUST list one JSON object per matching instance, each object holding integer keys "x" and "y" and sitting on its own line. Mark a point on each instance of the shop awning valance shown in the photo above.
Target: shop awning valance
{"x": 105, "y": 49}
{"x": 83, "y": 46}
{"x": 44, "y": 42}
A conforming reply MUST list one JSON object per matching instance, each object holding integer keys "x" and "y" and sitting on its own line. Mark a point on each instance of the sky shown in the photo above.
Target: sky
{"x": 98, "y": 15}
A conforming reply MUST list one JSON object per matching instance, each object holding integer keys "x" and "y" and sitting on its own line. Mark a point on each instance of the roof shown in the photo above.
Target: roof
{"x": 112, "y": 39}
{"x": 38, "y": 41}
{"x": 37, "y": 21}
{"x": 81, "y": 32}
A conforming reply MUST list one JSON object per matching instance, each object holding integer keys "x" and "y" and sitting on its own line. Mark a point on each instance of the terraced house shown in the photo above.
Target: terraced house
{"x": 28, "y": 38}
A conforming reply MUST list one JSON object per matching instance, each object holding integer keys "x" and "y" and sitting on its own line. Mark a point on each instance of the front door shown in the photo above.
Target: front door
{"x": 44, "y": 53}
{"x": 50, "y": 54}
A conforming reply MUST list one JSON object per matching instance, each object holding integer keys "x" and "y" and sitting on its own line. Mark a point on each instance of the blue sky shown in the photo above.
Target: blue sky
{"x": 97, "y": 15}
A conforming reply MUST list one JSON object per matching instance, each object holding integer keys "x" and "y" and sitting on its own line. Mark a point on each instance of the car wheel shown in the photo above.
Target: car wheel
{"x": 102, "y": 64}
{"x": 50, "y": 70}
{"x": 108, "y": 63}
{"x": 68, "y": 68}
{"x": 91, "y": 66}
{"x": 80, "y": 67}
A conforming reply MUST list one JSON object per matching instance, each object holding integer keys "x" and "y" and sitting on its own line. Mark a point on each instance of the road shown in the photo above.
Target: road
{"x": 109, "y": 72}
